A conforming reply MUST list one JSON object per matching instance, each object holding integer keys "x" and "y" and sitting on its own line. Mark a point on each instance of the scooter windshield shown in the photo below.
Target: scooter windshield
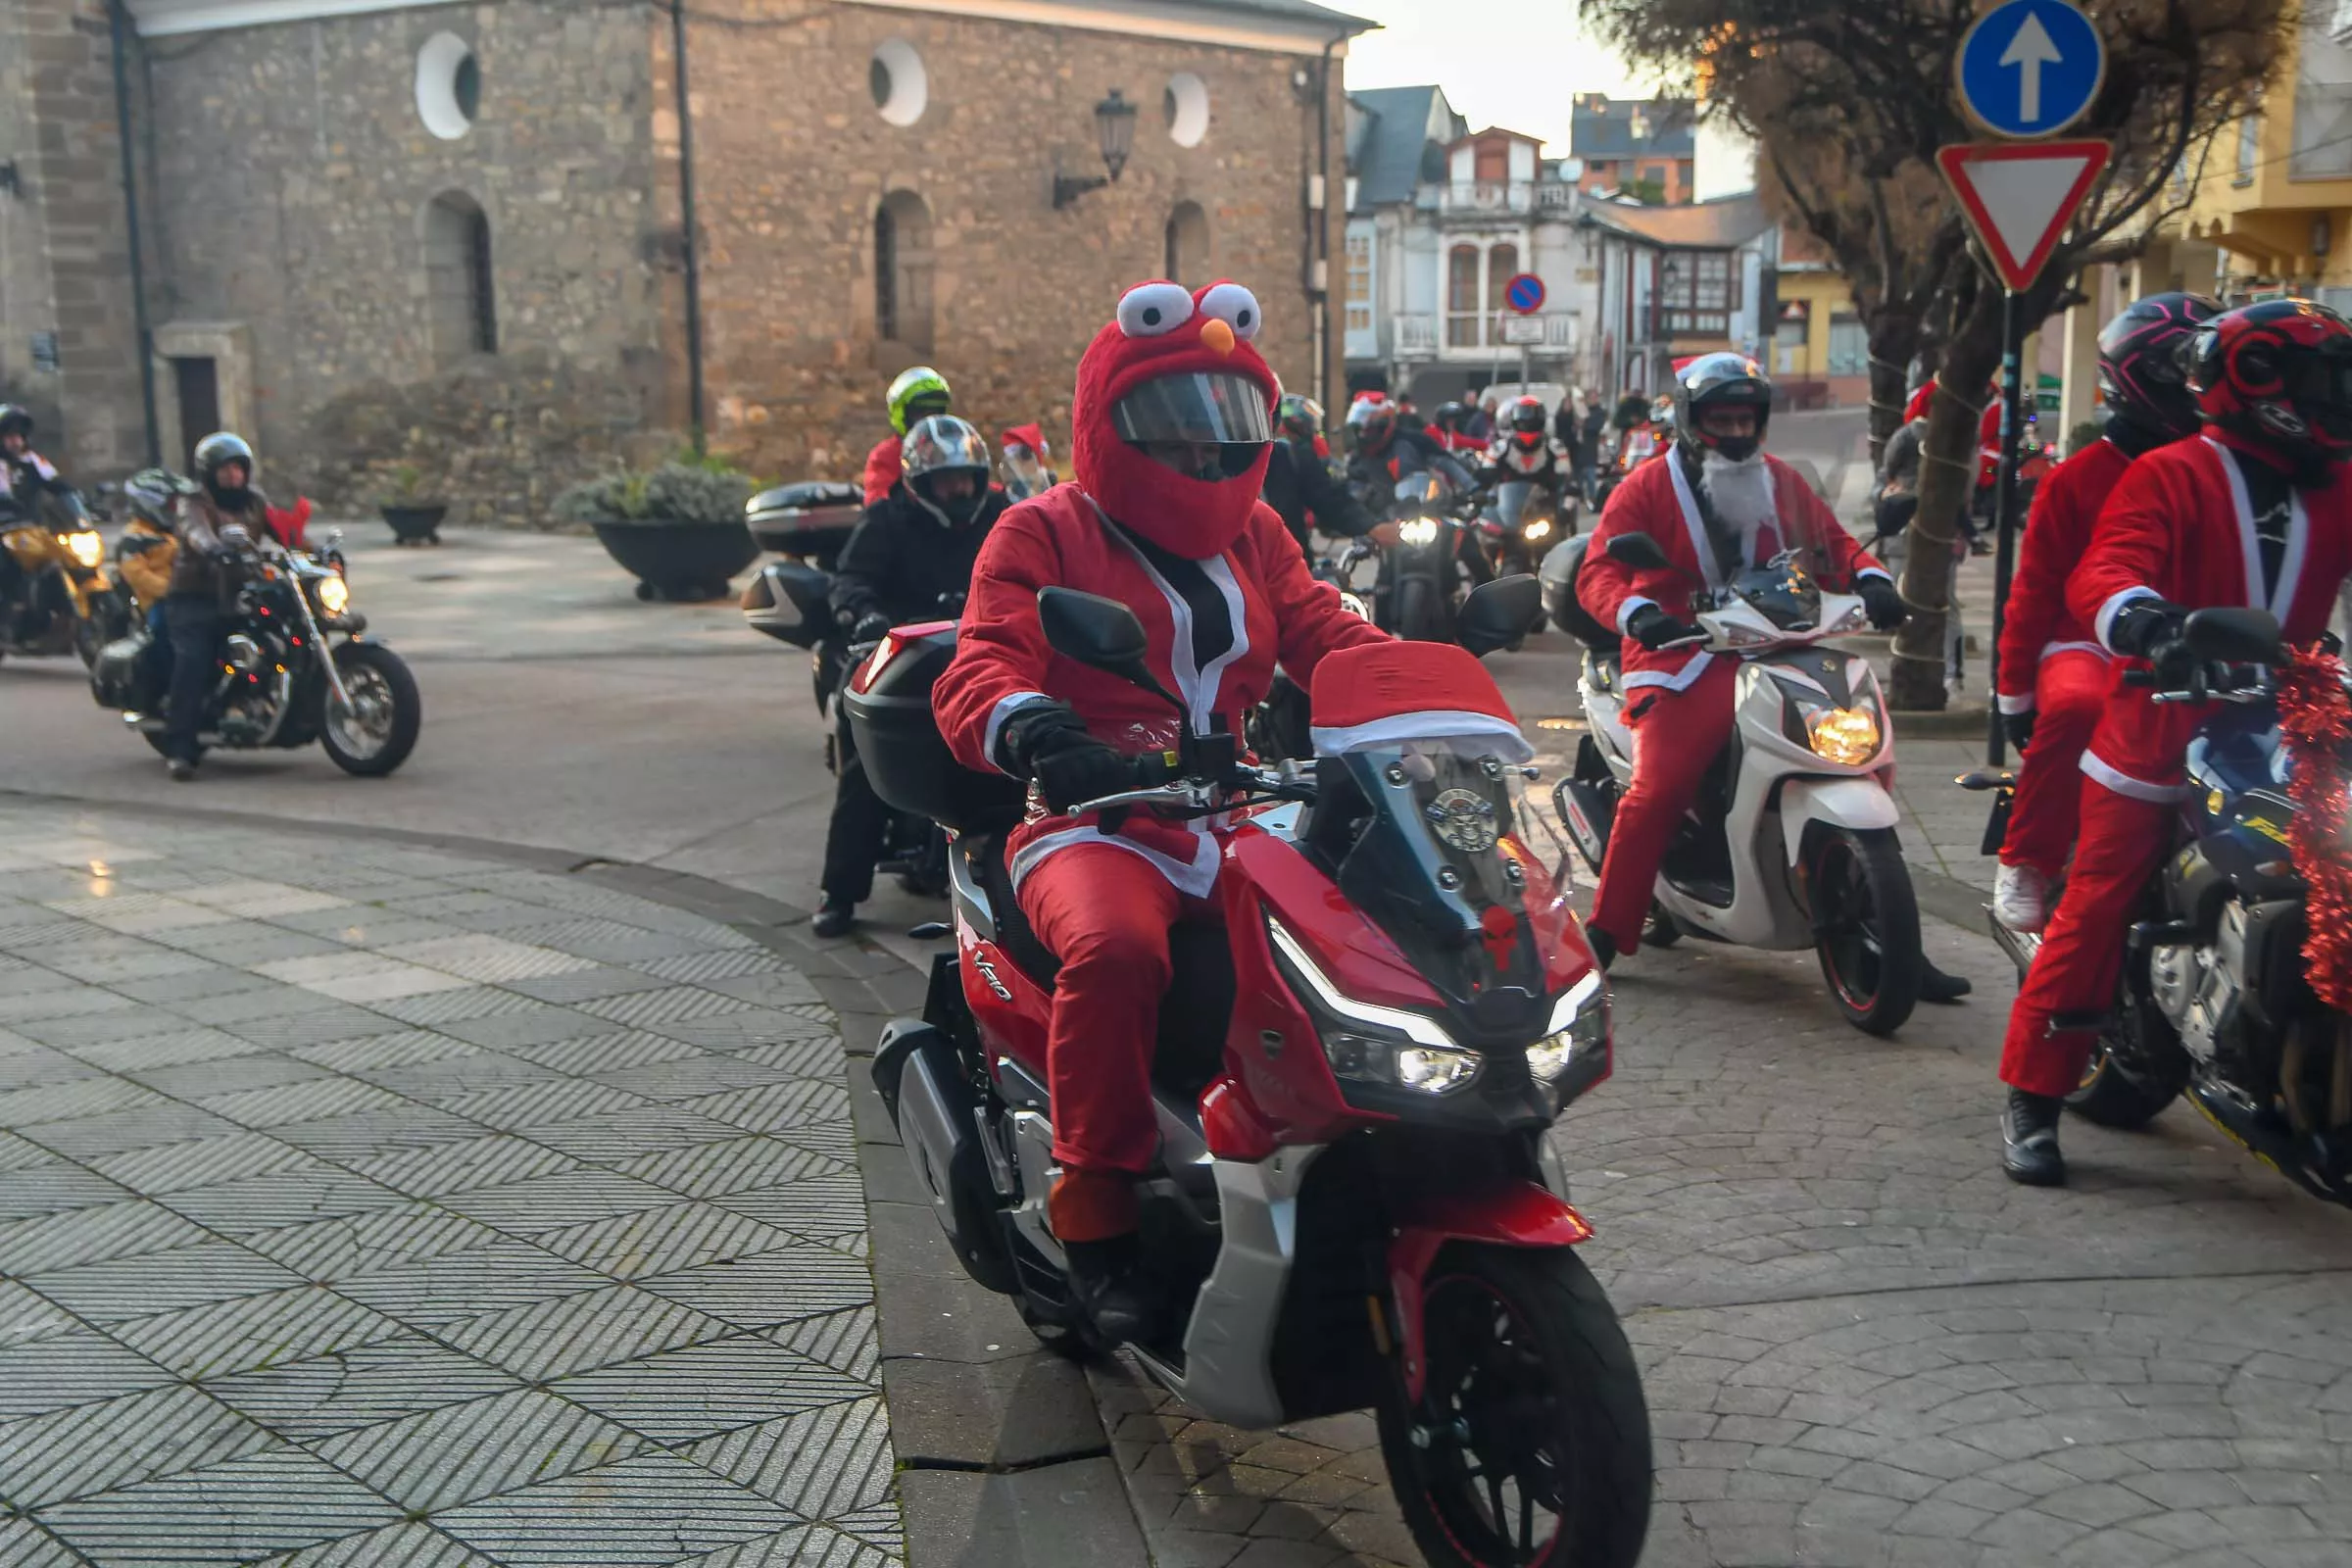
{"x": 1432, "y": 869}
{"x": 1783, "y": 593}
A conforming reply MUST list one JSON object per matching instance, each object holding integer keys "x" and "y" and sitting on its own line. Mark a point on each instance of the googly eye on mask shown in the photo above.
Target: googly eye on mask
{"x": 1154, "y": 309}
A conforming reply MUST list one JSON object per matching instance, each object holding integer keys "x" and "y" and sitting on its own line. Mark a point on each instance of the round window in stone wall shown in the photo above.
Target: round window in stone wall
{"x": 896, "y": 77}
{"x": 1186, "y": 105}
{"x": 449, "y": 86}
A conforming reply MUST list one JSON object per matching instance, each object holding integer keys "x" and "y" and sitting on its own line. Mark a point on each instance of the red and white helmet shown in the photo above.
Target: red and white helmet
{"x": 2276, "y": 378}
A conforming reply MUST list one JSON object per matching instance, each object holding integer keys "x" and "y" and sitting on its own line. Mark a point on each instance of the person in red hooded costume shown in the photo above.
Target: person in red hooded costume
{"x": 1172, "y": 422}
{"x": 2054, "y": 674}
{"x": 2255, "y": 513}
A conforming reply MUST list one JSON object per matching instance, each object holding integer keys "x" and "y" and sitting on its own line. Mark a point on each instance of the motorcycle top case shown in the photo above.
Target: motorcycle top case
{"x": 813, "y": 518}
{"x": 906, "y": 759}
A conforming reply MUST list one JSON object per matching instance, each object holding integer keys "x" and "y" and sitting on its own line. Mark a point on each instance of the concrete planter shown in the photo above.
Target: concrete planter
{"x": 416, "y": 523}
{"x": 676, "y": 559}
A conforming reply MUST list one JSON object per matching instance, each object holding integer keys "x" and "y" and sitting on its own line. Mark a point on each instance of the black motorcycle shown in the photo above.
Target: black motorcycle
{"x": 1432, "y": 562}
{"x": 295, "y": 667}
{"x": 791, "y": 602}
{"x": 2214, "y": 1000}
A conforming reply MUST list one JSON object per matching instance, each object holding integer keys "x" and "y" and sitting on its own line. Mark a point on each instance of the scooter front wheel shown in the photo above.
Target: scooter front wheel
{"x": 1530, "y": 1446}
{"x": 1865, "y": 926}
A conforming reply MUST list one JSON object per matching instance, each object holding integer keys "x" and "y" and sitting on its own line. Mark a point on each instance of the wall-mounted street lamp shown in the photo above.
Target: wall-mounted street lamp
{"x": 1115, "y": 131}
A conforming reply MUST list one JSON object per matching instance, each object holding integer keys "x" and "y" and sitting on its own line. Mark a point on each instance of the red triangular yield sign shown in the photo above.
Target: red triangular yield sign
{"x": 2020, "y": 196}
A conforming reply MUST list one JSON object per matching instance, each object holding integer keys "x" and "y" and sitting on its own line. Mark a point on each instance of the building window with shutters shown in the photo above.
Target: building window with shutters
{"x": 460, "y": 289}
{"x": 1849, "y": 346}
{"x": 1502, "y": 265}
{"x": 1359, "y": 282}
{"x": 1461, "y": 297}
{"x": 1186, "y": 245}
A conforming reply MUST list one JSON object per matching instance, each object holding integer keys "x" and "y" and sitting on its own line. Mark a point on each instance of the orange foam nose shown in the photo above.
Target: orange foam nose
{"x": 1217, "y": 335}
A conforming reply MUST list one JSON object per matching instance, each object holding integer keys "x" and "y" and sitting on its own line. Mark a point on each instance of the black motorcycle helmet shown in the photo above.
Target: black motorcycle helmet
{"x": 1717, "y": 381}
{"x": 217, "y": 451}
{"x": 2144, "y": 370}
{"x": 1527, "y": 415}
{"x": 1451, "y": 416}
{"x": 16, "y": 420}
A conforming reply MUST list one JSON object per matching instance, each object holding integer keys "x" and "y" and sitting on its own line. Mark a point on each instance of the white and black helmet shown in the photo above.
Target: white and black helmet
{"x": 1719, "y": 380}
{"x": 941, "y": 445}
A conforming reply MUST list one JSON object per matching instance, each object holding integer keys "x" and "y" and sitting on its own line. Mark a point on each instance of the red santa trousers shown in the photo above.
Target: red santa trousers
{"x": 1676, "y": 737}
{"x": 1105, "y": 914}
{"x": 2082, "y": 959}
{"x": 2070, "y": 693}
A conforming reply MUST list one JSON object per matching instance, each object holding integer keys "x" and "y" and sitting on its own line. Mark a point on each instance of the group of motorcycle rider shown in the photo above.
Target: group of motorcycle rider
{"x": 1198, "y": 483}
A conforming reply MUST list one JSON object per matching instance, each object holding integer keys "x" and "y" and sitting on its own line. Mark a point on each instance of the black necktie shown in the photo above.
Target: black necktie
{"x": 2270, "y": 495}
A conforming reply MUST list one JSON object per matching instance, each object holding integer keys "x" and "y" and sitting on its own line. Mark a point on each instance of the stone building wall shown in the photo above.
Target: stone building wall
{"x": 793, "y": 158}
{"x": 293, "y": 175}
{"x": 64, "y": 238}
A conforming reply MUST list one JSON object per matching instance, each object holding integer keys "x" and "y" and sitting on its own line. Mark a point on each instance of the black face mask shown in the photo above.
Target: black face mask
{"x": 956, "y": 514}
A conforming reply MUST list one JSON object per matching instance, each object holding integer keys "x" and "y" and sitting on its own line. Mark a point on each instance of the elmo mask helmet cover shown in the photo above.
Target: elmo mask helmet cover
{"x": 1176, "y": 368}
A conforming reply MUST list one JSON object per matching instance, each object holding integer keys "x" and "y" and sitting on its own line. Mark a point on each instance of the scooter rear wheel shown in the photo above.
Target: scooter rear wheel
{"x": 1865, "y": 926}
{"x": 1529, "y": 1447}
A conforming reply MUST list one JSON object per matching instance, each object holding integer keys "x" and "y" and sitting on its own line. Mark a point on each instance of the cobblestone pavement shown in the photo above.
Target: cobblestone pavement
{"x": 1864, "y": 1347}
{"x": 365, "y": 1205}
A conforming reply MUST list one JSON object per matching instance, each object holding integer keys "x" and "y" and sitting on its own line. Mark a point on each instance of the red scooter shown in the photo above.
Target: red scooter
{"x": 1357, "y": 1066}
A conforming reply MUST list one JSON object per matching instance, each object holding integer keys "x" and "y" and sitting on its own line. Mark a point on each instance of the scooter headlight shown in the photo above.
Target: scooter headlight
{"x": 1378, "y": 1045}
{"x": 85, "y": 547}
{"x": 1846, "y": 736}
{"x": 1855, "y": 618}
{"x": 1579, "y": 1025}
{"x": 1418, "y": 530}
{"x": 1538, "y": 530}
{"x": 334, "y": 595}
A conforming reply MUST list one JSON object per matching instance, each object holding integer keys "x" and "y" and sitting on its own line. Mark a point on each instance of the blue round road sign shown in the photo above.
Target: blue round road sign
{"x": 1524, "y": 293}
{"x": 2030, "y": 67}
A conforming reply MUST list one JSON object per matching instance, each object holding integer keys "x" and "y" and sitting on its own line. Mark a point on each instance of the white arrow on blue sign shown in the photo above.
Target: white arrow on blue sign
{"x": 2030, "y": 67}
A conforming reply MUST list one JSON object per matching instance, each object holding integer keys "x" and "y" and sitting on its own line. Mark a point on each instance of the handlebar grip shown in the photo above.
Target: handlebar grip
{"x": 2139, "y": 677}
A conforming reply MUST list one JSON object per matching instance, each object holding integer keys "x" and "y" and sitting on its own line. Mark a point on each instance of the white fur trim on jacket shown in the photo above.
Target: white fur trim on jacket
{"x": 1197, "y": 877}
{"x": 2015, "y": 704}
{"x": 1432, "y": 724}
{"x": 2107, "y": 774}
{"x": 1675, "y": 681}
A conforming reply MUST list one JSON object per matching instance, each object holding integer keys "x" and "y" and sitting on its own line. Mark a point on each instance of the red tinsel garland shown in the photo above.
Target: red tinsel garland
{"x": 2315, "y": 715}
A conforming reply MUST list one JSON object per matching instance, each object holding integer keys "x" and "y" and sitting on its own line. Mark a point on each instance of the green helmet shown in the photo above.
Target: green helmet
{"x": 917, "y": 395}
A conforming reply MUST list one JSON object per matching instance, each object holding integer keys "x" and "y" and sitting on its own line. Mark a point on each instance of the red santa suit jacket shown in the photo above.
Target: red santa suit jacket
{"x": 2180, "y": 527}
{"x": 1656, "y": 499}
{"x": 2037, "y": 621}
{"x": 1278, "y": 611}
{"x": 883, "y": 466}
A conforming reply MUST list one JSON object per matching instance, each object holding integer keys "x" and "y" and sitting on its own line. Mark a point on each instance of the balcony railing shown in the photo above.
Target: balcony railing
{"x": 1504, "y": 198}
{"x": 1672, "y": 321}
{"x": 1469, "y": 334}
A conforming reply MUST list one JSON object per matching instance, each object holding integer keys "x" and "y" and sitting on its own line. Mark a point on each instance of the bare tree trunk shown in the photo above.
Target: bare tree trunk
{"x": 1948, "y": 479}
{"x": 1894, "y": 341}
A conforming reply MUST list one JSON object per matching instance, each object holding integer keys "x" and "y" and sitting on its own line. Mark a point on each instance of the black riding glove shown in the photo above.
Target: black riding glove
{"x": 1653, "y": 628}
{"x": 2018, "y": 727}
{"x": 1049, "y": 743}
{"x": 1882, "y": 603}
{"x": 870, "y": 628}
{"x": 2144, "y": 626}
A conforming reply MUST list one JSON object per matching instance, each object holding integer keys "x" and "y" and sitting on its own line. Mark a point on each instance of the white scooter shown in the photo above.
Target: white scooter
{"x": 1791, "y": 842}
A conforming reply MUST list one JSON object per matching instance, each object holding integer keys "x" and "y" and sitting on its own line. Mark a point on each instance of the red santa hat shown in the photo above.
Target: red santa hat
{"x": 1032, "y": 436}
{"x": 1383, "y": 694}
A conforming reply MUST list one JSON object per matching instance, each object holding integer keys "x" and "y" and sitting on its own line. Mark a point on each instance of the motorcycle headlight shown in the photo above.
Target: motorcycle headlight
{"x": 1734, "y": 635}
{"x": 1846, "y": 736}
{"x": 1538, "y": 530}
{"x": 334, "y": 595}
{"x": 1579, "y": 1025}
{"x": 1378, "y": 1045}
{"x": 1418, "y": 530}
{"x": 85, "y": 547}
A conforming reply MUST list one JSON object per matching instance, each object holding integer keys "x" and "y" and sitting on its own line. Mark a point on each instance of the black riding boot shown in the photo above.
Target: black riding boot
{"x": 2029, "y": 1139}
{"x": 1109, "y": 1281}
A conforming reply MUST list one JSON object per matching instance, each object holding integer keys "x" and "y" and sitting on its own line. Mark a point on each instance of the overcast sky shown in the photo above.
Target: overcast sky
{"x": 1522, "y": 73}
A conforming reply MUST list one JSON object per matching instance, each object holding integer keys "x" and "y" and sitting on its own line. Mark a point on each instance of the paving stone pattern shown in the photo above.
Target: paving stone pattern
{"x": 1863, "y": 1348}
{"x": 365, "y": 1205}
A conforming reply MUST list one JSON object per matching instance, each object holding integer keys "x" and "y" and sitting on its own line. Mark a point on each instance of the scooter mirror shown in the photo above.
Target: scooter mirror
{"x": 2233, "y": 636}
{"x": 1097, "y": 632}
{"x": 1496, "y": 614}
{"x": 1637, "y": 550}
